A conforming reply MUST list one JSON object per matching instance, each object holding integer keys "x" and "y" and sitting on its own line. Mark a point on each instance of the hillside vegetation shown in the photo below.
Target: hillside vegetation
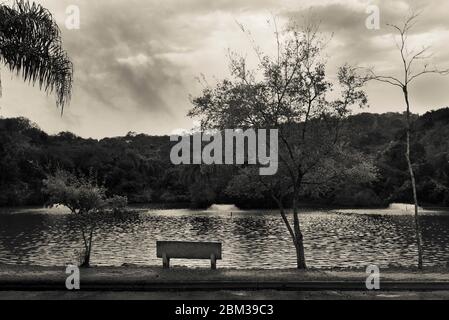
{"x": 138, "y": 166}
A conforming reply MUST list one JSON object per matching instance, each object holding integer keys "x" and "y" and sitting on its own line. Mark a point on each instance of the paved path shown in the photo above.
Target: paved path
{"x": 223, "y": 295}
{"x": 131, "y": 278}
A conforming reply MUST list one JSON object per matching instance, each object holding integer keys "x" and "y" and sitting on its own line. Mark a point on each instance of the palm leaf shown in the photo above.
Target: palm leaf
{"x": 30, "y": 45}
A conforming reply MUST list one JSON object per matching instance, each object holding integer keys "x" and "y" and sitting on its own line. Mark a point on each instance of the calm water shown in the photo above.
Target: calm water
{"x": 349, "y": 238}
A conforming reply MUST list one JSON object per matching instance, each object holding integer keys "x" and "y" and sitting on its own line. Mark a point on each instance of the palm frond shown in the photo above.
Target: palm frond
{"x": 31, "y": 46}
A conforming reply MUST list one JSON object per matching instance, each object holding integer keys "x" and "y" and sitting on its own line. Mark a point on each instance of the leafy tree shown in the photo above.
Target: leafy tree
{"x": 30, "y": 45}
{"x": 289, "y": 92}
{"x": 82, "y": 196}
{"x": 85, "y": 198}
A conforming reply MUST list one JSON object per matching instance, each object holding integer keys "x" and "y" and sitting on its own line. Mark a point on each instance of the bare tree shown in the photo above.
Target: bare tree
{"x": 409, "y": 59}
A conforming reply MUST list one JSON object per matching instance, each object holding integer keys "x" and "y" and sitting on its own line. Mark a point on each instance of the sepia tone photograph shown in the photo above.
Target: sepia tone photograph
{"x": 234, "y": 150}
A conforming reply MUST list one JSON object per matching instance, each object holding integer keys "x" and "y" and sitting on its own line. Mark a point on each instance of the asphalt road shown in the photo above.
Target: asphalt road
{"x": 222, "y": 295}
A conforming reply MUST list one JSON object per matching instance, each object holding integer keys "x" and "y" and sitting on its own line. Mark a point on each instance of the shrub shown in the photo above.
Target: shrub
{"x": 117, "y": 204}
{"x": 84, "y": 197}
{"x": 81, "y": 195}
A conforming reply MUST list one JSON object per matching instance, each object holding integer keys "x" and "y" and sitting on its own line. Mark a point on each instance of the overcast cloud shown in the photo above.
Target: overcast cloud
{"x": 136, "y": 60}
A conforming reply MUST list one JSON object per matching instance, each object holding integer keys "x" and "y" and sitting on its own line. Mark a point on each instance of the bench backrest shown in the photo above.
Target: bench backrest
{"x": 188, "y": 250}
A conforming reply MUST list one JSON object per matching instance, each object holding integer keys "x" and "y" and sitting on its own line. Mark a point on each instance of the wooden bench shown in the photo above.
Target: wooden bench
{"x": 188, "y": 250}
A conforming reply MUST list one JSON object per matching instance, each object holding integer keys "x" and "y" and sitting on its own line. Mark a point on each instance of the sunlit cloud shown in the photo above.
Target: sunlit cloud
{"x": 136, "y": 61}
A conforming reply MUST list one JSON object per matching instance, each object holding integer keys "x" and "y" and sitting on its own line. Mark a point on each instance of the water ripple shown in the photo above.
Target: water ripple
{"x": 250, "y": 239}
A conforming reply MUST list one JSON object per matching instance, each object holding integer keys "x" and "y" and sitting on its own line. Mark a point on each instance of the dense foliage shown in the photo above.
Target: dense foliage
{"x": 81, "y": 194}
{"x": 138, "y": 166}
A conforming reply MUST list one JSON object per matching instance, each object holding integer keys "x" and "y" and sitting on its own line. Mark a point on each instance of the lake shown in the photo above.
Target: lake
{"x": 251, "y": 239}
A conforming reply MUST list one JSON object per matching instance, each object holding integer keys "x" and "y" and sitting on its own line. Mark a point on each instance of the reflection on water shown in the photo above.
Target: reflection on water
{"x": 250, "y": 239}
{"x": 223, "y": 207}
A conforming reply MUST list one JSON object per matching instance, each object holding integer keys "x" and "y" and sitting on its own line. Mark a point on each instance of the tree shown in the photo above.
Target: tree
{"x": 288, "y": 92}
{"x": 82, "y": 196}
{"x": 30, "y": 45}
{"x": 408, "y": 62}
{"x": 85, "y": 198}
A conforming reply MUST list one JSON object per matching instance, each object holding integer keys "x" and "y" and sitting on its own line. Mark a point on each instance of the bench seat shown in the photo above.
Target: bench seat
{"x": 188, "y": 250}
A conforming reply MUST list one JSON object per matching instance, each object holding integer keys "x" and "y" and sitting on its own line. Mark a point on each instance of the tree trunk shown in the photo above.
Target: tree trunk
{"x": 87, "y": 249}
{"x": 299, "y": 243}
{"x": 300, "y": 257}
{"x": 295, "y": 233}
{"x": 86, "y": 260}
{"x": 418, "y": 234}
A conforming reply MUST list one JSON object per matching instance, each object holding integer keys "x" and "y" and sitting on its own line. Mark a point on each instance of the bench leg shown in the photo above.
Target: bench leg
{"x": 165, "y": 261}
{"x": 213, "y": 262}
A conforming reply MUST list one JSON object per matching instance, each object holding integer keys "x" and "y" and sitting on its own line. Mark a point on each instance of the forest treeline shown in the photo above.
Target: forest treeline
{"x": 138, "y": 166}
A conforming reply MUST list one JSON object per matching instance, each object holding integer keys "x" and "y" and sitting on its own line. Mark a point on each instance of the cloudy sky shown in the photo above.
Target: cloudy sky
{"x": 136, "y": 61}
